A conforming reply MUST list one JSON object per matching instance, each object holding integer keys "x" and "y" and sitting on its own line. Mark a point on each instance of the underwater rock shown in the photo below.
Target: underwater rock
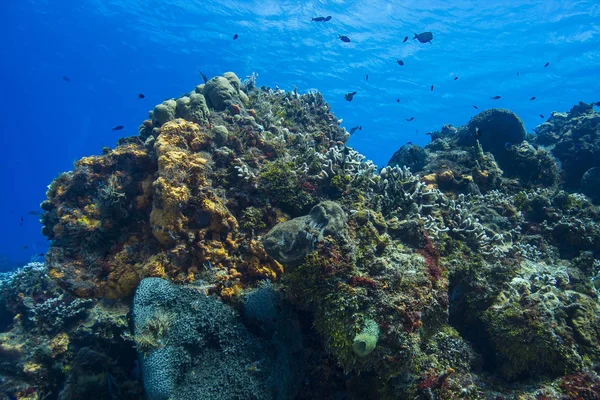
{"x": 411, "y": 156}
{"x": 193, "y": 108}
{"x": 530, "y": 165}
{"x": 164, "y": 112}
{"x": 290, "y": 241}
{"x": 493, "y": 128}
{"x": 590, "y": 184}
{"x": 220, "y": 93}
{"x": 176, "y": 327}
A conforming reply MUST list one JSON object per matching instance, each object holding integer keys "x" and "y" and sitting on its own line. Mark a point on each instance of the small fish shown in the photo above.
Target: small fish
{"x": 597, "y": 103}
{"x": 477, "y": 131}
{"x": 24, "y": 247}
{"x": 321, "y": 19}
{"x": 117, "y": 128}
{"x": 400, "y": 62}
{"x": 496, "y": 97}
{"x": 517, "y": 74}
{"x": 542, "y": 116}
{"x": 475, "y": 107}
{"x": 21, "y": 219}
{"x": 367, "y": 77}
{"x": 66, "y": 79}
{"x": 344, "y": 38}
{"x": 546, "y": 65}
{"x": 405, "y": 39}
{"x": 141, "y": 95}
{"x": 409, "y": 119}
{"x": 425, "y": 37}
{"x": 533, "y": 98}
{"x": 36, "y": 213}
{"x": 456, "y": 77}
{"x": 431, "y": 88}
{"x": 204, "y": 77}
{"x": 349, "y": 96}
{"x": 356, "y": 128}
{"x": 235, "y": 36}
{"x": 327, "y": 18}
{"x": 397, "y": 100}
{"x": 41, "y": 255}
{"x": 507, "y": 145}
{"x": 408, "y": 142}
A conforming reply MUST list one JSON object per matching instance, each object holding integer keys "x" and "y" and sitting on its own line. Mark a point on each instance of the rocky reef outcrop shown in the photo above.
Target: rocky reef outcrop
{"x": 262, "y": 256}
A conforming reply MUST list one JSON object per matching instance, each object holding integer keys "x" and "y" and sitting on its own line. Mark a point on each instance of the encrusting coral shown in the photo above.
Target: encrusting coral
{"x": 407, "y": 280}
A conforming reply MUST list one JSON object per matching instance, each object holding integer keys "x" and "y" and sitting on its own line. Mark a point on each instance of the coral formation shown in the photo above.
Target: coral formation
{"x": 276, "y": 262}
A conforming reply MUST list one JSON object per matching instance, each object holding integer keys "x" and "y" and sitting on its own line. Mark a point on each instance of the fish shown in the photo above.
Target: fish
{"x": 548, "y": 63}
{"x": 117, "y": 128}
{"x": 456, "y": 77}
{"x": 327, "y": 18}
{"x": 344, "y": 38}
{"x": 597, "y": 103}
{"x": 400, "y": 62}
{"x": 405, "y": 39}
{"x": 431, "y": 88}
{"x": 409, "y": 119}
{"x": 397, "y": 100}
{"x": 24, "y": 247}
{"x": 496, "y": 97}
{"x": 66, "y": 79}
{"x": 36, "y": 213}
{"x": 141, "y": 95}
{"x": 321, "y": 19}
{"x": 475, "y": 107}
{"x": 507, "y": 145}
{"x": 542, "y": 116}
{"x": 204, "y": 77}
{"x": 477, "y": 131}
{"x": 349, "y": 96}
{"x": 425, "y": 37}
{"x": 356, "y": 128}
{"x": 367, "y": 77}
{"x": 533, "y": 98}
{"x": 517, "y": 74}
{"x": 235, "y": 36}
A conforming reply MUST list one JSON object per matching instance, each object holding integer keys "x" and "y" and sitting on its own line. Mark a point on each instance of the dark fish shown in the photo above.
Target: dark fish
{"x": 66, "y": 79}
{"x": 349, "y": 96}
{"x": 496, "y": 97}
{"x": 597, "y": 103}
{"x": 475, "y": 107}
{"x": 367, "y": 78}
{"x": 344, "y": 38}
{"x": 327, "y": 18}
{"x": 204, "y": 77}
{"x": 507, "y": 145}
{"x": 431, "y": 88}
{"x": 397, "y": 100}
{"x": 517, "y": 74}
{"x": 21, "y": 219}
{"x": 24, "y": 247}
{"x": 409, "y": 119}
{"x": 141, "y": 95}
{"x": 318, "y": 19}
{"x": 405, "y": 39}
{"x": 400, "y": 62}
{"x": 41, "y": 255}
{"x": 408, "y": 142}
{"x": 548, "y": 63}
{"x": 36, "y": 213}
{"x": 356, "y": 128}
{"x": 456, "y": 77}
{"x": 425, "y": 37}
{"x": 533, "y": 98}
{"x": 541, "y": 116}
{"x": 235, "y": 36}
{"x": 117, "y": 128}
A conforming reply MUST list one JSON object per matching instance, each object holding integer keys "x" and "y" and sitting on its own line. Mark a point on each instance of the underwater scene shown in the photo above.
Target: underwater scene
{"x": 303, "y": 200}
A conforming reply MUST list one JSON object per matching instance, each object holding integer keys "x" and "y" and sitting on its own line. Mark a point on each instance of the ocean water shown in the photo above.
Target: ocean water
{"x": 111, "y": 51}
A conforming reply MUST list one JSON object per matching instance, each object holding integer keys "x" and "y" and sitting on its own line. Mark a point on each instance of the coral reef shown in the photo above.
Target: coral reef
{"x": 270, "y": 260}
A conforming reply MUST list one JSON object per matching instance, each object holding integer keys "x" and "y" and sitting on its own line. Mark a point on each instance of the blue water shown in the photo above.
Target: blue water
{"x": 114, "y": 50}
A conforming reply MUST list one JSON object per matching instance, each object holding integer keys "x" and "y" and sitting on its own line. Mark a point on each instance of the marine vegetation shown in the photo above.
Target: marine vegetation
{"x": 238, "y": 247}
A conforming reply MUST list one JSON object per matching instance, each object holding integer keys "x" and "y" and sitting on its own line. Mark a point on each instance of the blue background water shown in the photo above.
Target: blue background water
{"x": 113, "y": 50}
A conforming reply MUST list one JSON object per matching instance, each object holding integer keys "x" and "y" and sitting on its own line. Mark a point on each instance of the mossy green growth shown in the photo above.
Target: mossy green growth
{"x": 252, "y": 219}
{"x": 340, "y": 182}
{"x": 364, "y": 343}
{"x": 526, "y": 345}
{"x": 278, "y": 182}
